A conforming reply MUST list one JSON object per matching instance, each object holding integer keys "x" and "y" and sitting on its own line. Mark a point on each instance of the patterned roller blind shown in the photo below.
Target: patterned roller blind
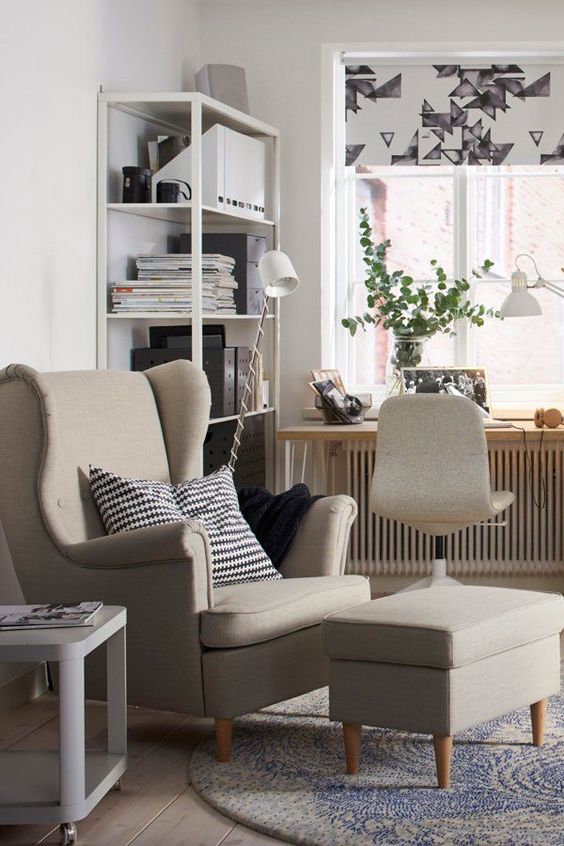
{"x": 455, "y": 114}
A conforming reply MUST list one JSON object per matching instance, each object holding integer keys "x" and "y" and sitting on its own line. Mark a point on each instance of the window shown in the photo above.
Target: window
{"x": 457, "y": 213}
{"x": 498, "y": 213}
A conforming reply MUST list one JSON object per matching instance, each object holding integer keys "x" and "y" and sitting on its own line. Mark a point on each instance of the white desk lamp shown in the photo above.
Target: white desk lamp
{"x": 278, "y": 279}
{"x": 519, "y": 302}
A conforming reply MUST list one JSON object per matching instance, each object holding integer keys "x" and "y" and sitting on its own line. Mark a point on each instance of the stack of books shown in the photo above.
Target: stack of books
{"x": 164, "y": 283}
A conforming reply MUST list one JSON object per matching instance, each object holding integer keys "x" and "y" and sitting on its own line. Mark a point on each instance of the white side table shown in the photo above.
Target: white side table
{"x": 64, "y": 785}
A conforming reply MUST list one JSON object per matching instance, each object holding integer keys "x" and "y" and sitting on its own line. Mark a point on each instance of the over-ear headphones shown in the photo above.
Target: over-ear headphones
{"x": 551, "y": 418}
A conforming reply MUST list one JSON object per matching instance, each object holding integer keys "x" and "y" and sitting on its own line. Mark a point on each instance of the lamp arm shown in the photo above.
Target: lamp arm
{"x": 551, "y": 287}
{"x": 248, "y": 388}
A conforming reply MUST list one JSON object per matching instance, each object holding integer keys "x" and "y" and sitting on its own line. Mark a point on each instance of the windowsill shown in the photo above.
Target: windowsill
{"x": 501, "y": 411}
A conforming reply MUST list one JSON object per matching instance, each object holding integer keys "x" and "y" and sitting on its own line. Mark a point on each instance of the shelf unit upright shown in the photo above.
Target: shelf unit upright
{"x": 125, "y": 123}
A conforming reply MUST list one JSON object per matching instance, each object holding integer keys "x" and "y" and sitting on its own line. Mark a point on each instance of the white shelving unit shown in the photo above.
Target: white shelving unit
{"x": 125, "y": 123}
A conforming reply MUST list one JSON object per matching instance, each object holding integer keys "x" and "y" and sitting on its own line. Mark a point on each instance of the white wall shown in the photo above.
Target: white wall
{"x": 279, "y": 43}
{"x": 53, "y": 57}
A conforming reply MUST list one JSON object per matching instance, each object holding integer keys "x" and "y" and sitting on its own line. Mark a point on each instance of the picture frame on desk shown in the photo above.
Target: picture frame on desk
{"x": 470, "y": 382}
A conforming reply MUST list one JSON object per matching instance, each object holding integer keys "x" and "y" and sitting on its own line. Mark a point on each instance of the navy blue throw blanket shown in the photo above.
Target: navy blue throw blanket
{"x": 274, "y": 518}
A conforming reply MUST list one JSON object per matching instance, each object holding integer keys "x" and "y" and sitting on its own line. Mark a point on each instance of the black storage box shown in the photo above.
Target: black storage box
{"x": 250, "y": 468}
{"x": 247, "y": 251}
{"x": 219, "y": 366}
{"x": 242, "y": 362}
{"x": 178, "y": 336}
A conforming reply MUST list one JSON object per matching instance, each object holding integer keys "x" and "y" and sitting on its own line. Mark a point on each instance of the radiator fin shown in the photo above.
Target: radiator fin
{"x": 530, "y": 541}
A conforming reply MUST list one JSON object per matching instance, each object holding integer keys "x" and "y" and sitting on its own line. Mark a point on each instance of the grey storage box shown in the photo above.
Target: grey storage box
{"x": 226, "y": 83}
{"x": 247, "y": 251}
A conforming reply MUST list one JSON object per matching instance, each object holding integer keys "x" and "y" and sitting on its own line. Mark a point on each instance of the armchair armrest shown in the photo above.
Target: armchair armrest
{"x": 155, "y": 544}
{"x": 320, "y": 545}
{"x": 163, "y": 574}
{"x": 186, "y": 541}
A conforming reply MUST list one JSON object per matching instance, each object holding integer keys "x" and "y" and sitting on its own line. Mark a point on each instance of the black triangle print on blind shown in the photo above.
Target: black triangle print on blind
{"x": 434, "y": 154}
{"x": 392, "y": 88}
{"x": 539, "y": 88}
{"x": 536, "y": 135}
{"x": 352, "y": 152}
{"x": 557, "y": 155}
{"x": 410, "y": 155}
{"x": 387, "y": 137}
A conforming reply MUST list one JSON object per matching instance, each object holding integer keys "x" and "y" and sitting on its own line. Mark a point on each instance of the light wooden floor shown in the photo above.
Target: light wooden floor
{"x": 156, "y": 805}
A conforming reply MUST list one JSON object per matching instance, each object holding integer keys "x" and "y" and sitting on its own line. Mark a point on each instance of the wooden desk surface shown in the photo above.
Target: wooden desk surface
{"x": 367, "y": 431}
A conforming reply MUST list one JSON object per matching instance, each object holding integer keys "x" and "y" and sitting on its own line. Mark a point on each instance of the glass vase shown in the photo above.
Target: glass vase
{"x": 405, "y": 351}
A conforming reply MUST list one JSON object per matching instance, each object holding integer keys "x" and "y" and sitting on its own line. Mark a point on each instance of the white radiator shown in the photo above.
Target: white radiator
{"x": 530, "y": 542}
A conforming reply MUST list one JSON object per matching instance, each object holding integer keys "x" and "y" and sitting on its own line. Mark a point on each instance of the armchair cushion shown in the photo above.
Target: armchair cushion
{"x": 254, "y": 613}
{"x": 131, "y": 504}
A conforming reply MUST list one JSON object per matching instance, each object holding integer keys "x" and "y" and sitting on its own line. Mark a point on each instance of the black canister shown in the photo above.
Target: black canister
{"x": 168, "y": 191}
{"x": 136, "y": 184}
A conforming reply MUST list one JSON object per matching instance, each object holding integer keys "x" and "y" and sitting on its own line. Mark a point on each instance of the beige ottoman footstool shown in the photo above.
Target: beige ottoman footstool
{"x": 441, "y": 660}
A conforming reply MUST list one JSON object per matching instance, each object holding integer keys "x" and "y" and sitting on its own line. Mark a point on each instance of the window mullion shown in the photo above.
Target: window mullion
{"x": 463, "y": 187}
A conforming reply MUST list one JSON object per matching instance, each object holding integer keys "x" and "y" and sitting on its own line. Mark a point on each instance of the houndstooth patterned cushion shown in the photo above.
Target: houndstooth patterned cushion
{"x": 126, "y": 504}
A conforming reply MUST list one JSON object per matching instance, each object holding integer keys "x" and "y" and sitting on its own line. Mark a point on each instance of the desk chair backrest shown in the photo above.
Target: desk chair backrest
{"x": 431, "y": 468}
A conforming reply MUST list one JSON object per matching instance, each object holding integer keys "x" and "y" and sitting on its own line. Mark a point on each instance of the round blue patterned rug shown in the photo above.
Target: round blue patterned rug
{"x": 286, "y": 779}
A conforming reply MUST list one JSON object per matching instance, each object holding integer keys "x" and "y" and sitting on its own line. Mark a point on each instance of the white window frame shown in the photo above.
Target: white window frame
{"x": 338, "y": 204}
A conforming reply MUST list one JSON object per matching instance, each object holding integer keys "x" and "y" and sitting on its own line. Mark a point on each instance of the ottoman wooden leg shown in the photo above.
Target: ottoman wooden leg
{"x": 351, "y": 735}
{"x": 443, "y": 753}
{"x": 538, "y": 715}
{"x": 223, "y": 731}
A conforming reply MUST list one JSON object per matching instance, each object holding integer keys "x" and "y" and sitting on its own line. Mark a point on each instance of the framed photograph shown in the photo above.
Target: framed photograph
{"x": 333, "y": 375}
{"x": 470, "y": 382}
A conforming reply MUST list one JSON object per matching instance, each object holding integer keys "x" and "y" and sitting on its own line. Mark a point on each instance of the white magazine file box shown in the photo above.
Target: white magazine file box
{"x": 233, "y": 172}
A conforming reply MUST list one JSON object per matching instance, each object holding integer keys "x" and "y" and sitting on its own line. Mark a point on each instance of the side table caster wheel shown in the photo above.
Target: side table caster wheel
{"x": 67, "y": 834}
{"x": 118, "y": 785}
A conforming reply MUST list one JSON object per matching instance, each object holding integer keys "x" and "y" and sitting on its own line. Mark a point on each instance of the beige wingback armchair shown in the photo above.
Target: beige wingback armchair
{"x": 218, "y": 653}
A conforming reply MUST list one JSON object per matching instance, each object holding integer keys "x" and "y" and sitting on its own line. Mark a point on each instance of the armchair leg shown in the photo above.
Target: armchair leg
{"x": 223, "y": 732}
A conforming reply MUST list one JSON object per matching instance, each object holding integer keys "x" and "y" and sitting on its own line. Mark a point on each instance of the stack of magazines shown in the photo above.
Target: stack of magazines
{"x": 58, "y": 616}
{"x": 164, "y": 283}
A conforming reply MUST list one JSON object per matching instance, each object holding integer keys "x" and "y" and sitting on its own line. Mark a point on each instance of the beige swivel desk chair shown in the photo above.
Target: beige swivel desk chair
{"x": 431, "y": 470}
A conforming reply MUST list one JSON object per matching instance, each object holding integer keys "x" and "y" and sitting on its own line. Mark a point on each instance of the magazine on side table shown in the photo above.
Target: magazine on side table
{"x": 49, "y": 616}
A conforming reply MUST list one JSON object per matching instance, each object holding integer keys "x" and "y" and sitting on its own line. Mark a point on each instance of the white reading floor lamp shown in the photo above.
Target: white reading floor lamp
{"x": 519, "y": 302}
{"x": 278, "y": 279}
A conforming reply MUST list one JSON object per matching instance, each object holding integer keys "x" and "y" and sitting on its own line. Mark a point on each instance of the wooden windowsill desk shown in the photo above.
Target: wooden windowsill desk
{"x": 327, "y": 440}
{"x": 366, "y": 431}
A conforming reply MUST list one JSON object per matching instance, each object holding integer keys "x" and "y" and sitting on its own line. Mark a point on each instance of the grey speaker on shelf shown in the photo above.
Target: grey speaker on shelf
{"x": 226, "y": 83}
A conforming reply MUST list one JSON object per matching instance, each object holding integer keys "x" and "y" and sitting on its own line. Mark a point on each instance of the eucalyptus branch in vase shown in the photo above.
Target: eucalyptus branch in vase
{"x": 413, "y": 311}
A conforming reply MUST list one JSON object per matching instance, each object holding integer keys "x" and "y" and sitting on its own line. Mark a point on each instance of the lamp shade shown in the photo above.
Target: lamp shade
{"x": 519, "y": 302}
{"x": 277, "y": 274}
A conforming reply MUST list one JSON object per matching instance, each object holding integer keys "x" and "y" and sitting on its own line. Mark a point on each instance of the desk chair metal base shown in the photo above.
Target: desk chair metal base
{"x": 438, "y": 577}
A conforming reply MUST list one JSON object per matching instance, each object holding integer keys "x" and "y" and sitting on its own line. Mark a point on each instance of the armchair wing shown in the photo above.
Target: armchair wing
{"x": 320, "y": 545}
